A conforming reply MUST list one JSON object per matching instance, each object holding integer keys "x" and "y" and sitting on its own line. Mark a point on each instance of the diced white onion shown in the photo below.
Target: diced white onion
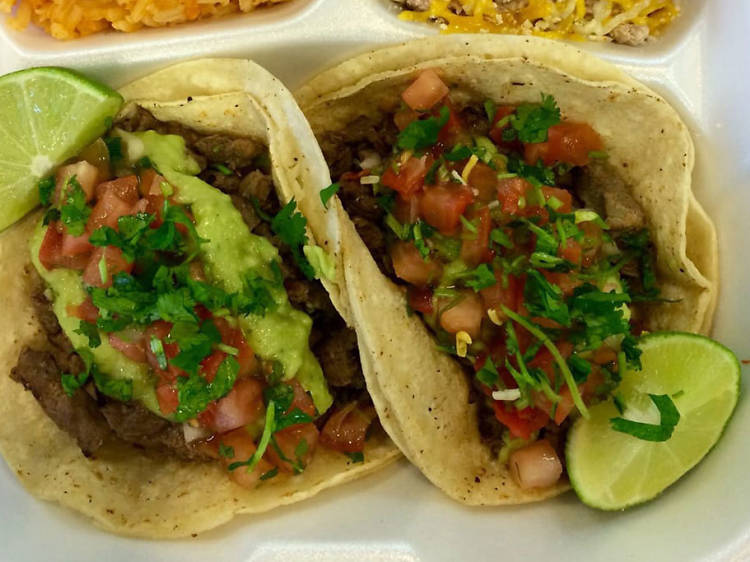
{"x": 509, "y": 394}
{"x": 536, "y": 465}
{"x": 369, "y": 160}
{"x": 194, "y": 433}
{"x": 369, "y": 180}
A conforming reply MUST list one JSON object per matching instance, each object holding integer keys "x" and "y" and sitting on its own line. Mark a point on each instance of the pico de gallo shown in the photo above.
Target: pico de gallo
{"x": 518, "y": 245}
{"x": 138, "y": 290}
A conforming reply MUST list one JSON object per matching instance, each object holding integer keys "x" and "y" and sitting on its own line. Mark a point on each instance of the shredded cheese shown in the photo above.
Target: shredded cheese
{"x": 495, "y": 317}
{"x": 555, "y": 19}
{"x": 463, "y": 341}
{"x": 469, "y": 167}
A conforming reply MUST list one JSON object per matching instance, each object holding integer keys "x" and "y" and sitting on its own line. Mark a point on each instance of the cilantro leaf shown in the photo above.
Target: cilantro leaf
{"x": 328, "y": 192}
{"x": 538, "y": 174}
{"x": 580, "y": 368}
{"x": 669, "y": 418}
{"x": 532, "y": 121}
{"x": 458, "y": 152}
{"x": 545, "y": 299}
{"x": 46, "y": 189}
{"x": 89, "y": 330}
{"x": 195, "y": 393}
{"x": 488, "y": 374}
{"x": 357, "y": 457}
{"x": 226, "y": 451}
{"x": 422, "y": 133}
{"x": 600, "y": 314}
{"x": 289, "y": 225}
{"x": 119, "y": 389}
{"x": 74, "y": 212}
{"x": 71, "y": 383}
{"x": 265, "y": 438}
{"x": 294, "y": 417}
{"x": 481, "y": 278}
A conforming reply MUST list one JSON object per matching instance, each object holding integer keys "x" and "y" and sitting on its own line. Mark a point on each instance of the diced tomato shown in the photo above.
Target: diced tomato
{"x": 50, "y": 252}
{"x": 475, "y": 247}
{"x": 566, "y": 281}
{"x": 241, "y": 444}
{"x": 210, "y": 365}
{"x": 150, "y": 183}
{"x": 135, "y": 350}
{"x": 442, "y": 205}
{"x": 126, "y": 188}
{"x": 571, "y": 252}
{"x": 566, "y": 142}
{"x": 297, "y": 444}
{"x": 453, "y": 130}
{"x": 546, "y": 362}
{"x": 410, "y": 266}
{"x": 243, "y": 405}
{"x": 75, "y": 245}
{"x": 107, "y": 210}
{"x": 406, "y": 211}
{"x": 509, "y": 193}
{"x": 346, "y": 429}
{"x": 521, "y": 423}
{"x": 465, "y": 315}
{"x": 403, "y": 117}
{"x": 168, "y": 398}
{"x": 410, "y": 176}
{"x": 233, "y": 337}
{"x": 562, "y": 195}
{"x": 425, "y": 91}
{"x": 498, "y": 295}
{"x": 115, "y": 263}
{"x": 496, "y": 133}
{"x": 86, "y": 311}
{"x": 86, "y": 175}
{"x": 484, "y": 180}
{"x": 604, "y": 355}
{"x": 420, "y": 299}
{"x": 141, "y": 206}
{"x": 592, "y": 242}
{"x": 302, "y": 399}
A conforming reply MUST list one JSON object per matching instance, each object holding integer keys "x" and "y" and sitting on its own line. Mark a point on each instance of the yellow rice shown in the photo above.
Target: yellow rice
{"x": 69, "y": 19}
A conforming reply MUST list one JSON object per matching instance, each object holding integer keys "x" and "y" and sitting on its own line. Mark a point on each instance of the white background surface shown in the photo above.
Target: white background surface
{"x": 702, "y": 67}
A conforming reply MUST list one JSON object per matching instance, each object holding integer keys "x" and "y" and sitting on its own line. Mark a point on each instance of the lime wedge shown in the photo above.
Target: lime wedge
{"x": 612, "y": 470}
{"x": 47, "y": 115}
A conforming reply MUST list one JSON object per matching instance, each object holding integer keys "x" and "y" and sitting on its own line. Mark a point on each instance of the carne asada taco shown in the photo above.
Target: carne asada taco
{"x": 184, "y": 362}
{"x": 513, "y": 214}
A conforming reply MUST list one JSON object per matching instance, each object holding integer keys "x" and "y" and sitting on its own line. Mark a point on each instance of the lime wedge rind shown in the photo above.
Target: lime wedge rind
{"x": 47, "y": 115}
{"x": 612, "y": 471}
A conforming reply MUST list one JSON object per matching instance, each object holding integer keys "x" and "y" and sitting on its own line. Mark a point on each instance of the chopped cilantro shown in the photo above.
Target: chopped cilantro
{"x": 265, "y": 438}
{"x": 222, "y": 169}
{"x": 545, "y": 299}
{"x": 669, "y": 418}
{"x": 357, "y": 457}
{"x": 538, "y": 174}
{"x": 270, "y": 474}
{"x": 579, "y": 367}
{"x": 195, "y": 393}
{"x": 499, "y": 237}
{"x": 289, "y": 225}
{"x": 481, "y": 278}
{"x": 458, "y": 152}
{"x": 114, "y": 147}
{"x": 328, "y": 192}
{"x": 74, "y": 212}
{"x": 46, "y": 189}
{"x": 226, "y": 451}
{"x": 490, "y": 109}
{"x": 89, "y": 330}
{"x": 422, "y": 133}
{"x": 532, "y": 121}
{"x": 600, "y": 314}
{"x": 488, "y": 374}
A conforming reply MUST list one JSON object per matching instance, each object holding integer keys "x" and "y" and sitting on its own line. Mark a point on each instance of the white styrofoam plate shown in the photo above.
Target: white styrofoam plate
{"x": 701, "y": 67}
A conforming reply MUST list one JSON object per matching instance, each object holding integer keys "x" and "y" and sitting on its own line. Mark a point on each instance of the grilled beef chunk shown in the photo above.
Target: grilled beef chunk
{"x": 601, "y": 188}
{"x": 78, "y": 415}
{"x": 133, "y": 423}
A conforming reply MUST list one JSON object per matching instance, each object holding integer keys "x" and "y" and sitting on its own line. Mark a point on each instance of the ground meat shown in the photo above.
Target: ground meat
{"x": 342, "y": 149}
{"x": 474, "y": 118}
{"x": 359, "y": 200}
{"x": 78, "y": 415}
{"x": 235, "y": 153}
{"x": 134, "y": 424}
{"x": 339, "y": 358}
{"x": 630, "y": 34}
{"x": 600, "y": 187}
{"x": 416, "y": 5}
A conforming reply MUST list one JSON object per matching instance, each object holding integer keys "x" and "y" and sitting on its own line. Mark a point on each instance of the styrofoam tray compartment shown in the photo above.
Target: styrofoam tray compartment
{"x": 396, "y": 515}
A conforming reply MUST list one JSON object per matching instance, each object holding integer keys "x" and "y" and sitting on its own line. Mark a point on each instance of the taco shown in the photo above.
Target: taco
{"x": 513, "y": 213}
{"x": 165, "y": 311}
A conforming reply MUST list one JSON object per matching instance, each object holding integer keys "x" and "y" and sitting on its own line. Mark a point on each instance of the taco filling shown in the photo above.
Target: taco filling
{"x": 184, "y": 320}
{"x": 518, "y": 245}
